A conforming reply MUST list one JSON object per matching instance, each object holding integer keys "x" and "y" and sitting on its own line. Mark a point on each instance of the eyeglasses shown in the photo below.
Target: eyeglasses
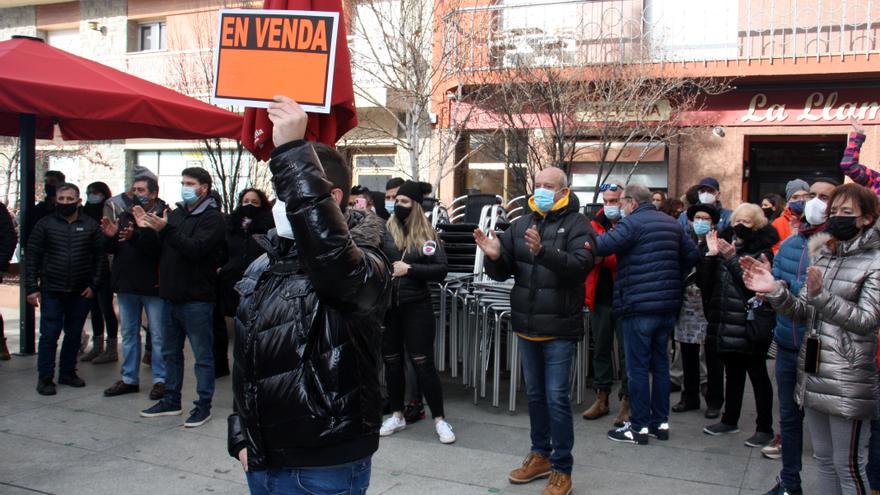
{"x": 609, "y": 187}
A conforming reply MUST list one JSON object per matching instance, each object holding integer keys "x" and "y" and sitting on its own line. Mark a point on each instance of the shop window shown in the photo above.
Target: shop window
{"x": 647, "y": 161}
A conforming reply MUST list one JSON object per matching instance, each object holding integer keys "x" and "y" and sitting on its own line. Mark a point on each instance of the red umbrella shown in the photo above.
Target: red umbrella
{"x": 41, "y": 86}
{"x": 257, "y": 133}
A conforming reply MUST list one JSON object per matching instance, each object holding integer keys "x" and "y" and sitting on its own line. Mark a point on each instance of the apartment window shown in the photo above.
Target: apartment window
{"x": 151, "y": 36}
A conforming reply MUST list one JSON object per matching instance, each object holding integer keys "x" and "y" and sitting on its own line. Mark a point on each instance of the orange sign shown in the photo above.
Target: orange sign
{"x": 262, "y": 53}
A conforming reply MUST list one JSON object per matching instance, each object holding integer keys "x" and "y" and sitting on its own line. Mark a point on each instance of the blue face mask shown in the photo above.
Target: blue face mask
{"x": 613, "y": 212}
{"x": 188, "y": 194}
{"x": 544, "y": 199}
{"x": 95, "y": 198}
{"x": 389, "y": 206}
{"x": 797, "y": 207}
{"x": 702, "y": 227}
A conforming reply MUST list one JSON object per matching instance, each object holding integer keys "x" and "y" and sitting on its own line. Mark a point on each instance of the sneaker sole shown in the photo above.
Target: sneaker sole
{"x": 447, "y": 441}
{"x": 160, "y": 414}
{"x": 634, "y": 442}
{"x": 523, "y": 481}
{"x": 772, "y": 456}
{"x": 196, "y": 424}
{"x": 755, "y": 445}
{"x": 392, "y": 432}
{"x": 720, "y": 433}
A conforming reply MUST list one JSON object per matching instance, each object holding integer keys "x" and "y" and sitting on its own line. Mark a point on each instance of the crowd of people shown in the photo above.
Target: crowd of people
{"x": 321, "y": 285}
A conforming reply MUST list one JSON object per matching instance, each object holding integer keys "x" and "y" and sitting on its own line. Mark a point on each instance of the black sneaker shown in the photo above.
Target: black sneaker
{"x": 713, "y": 412}
{"x": 759, "y": 439}
{"x": 197, "y": 417}
{"x": 45, "y": 386}
{"x": 161, "y": 408}
{"x": 121, "y": 388}
{"x": 660, "y": 432}
{"x": 781, "y": 490}
{"x": 71, "y": 379}
{"x": 684, "y": 406}
{"x": 626, "y": 434}
{"x": 414, "y": 411}
{"x": 720, "y": 429}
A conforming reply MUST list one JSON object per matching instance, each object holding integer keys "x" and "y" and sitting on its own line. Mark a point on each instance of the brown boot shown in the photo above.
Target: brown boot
{"x": 109, "y": 355}
{"x": 599, "y": 408}
{"x": 623, "y": 415}
{"x": 559, "y": 484}
{"x": 533, "y": 467}
{"x": 4, "y": 351}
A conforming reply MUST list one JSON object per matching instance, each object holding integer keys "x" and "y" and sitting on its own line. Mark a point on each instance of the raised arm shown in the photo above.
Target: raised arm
{"x": 850, "y": 165}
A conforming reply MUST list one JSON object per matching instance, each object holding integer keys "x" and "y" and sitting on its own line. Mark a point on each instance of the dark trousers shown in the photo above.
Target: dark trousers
{"x": 221, "y": 342}
{"x": 791, "y": 418}
{"x": 714, "y": 375}
{"x": 102, "y": 312}
{"x": 60, "y": 312}
{"x": 736, "y": 367}
{"x": 646, "y": 339}
{"x": 690, "y": 366}
{"x": 873, "y": 468}
{"x": 410, "y": 327}
{"x": 606, "y": 329}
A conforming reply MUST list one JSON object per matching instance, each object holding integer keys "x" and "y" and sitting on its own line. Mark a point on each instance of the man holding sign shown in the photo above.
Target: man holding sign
{"x": 305, "y": 380}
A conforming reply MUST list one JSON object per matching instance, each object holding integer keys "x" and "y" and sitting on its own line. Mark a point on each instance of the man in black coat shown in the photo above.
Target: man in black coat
{"x": 65, "y": 255}
{"x": 305, "y": 377}
{"x": 8, "y": 239}
{"x": 51, "y": 180}
{"x": 546, "y": 255}
{"x": 193, "y": 236}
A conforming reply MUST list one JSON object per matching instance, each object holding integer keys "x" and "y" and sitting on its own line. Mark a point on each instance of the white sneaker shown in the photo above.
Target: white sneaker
{"x": 444, "y": 431}
{"x": 392, "y": 425}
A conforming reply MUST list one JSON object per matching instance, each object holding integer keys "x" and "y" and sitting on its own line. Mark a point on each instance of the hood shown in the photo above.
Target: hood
{"x": 365, "y": 228}
{"x": 207, "y": 202}
{"x": 823, "y": 244}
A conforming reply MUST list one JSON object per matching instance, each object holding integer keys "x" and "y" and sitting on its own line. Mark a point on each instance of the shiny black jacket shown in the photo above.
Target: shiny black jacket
{"x": 306, "y": 373}
{"x": 65, "y": 257}
{"x": 547, "y": 298}
{"x": 725, "y": 296}
{"x": 423, "y": 269}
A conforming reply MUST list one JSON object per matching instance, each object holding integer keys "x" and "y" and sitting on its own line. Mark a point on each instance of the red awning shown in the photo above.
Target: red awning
{"x": 91, "y": 101}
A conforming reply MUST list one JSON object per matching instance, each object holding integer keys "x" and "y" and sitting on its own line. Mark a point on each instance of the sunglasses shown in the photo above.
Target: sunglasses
{"x": 609, "y": 187}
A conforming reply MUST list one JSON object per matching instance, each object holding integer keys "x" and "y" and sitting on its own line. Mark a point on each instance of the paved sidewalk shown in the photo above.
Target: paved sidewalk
{"x": 79, "y": 442}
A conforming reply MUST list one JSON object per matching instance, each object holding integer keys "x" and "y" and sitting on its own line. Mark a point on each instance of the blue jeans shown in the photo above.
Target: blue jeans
{"x": 192, "y": 320}
{"x": 645, "y": 340}
{"x": 547, "y": 372}
{"x": 348, "y": 479}
{"x": 60, "y": 311}
{"x": 130, "y": 308}
{"x": 791, "y": 418}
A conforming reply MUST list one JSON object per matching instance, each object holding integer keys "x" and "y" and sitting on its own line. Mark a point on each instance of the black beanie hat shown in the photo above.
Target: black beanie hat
{"x": 415, "y": 191}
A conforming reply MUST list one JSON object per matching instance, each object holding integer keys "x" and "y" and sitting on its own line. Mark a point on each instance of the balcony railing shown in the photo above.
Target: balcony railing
{"x": 532, "y": 33}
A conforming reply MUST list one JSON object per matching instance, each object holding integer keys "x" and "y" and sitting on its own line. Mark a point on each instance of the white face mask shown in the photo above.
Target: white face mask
{"x": 282, "y": 224}
{"x": 707, "y": 198}
{"x": 814, "y": 211}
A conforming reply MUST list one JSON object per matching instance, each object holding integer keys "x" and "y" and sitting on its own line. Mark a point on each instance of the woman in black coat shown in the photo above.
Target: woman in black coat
{"x": 740, "y": 325}
{"x": 103, "y": 315}
{"x": 418, "y": 259}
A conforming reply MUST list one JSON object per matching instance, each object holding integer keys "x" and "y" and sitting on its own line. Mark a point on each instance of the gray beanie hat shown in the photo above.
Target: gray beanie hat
{"x": 794, "y": 186}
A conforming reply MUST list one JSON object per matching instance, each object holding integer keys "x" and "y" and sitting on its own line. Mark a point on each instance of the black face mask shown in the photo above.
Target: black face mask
{"x": 743, "y": 232}
{"x": 842, "y": 228}
{"x": 402, "y": 212}
{"x": 50, "y": 190}
{"x": 769, "y": 212}
{"x": 66, "y": 210}
{"x": 249, "y": 211}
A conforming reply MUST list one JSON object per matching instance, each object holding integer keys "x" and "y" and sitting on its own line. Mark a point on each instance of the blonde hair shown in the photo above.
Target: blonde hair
{"x": 418, "y": 230}
{"x": 750, "y": 210}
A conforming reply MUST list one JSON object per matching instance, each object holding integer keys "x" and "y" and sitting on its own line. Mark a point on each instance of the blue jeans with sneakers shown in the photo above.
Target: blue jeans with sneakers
{"x": 194, "y": 321}
{"x": 645, "y": 339}
{"x": 130, "y": 308}
{"x": 352, "y": 478}
{"x": 546, "y": 369}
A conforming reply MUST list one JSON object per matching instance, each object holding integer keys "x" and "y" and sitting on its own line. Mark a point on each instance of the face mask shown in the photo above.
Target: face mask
{"x": 702, "y": 227}
{"x": 657, "y": 204}
{"x": 389, "y": 207}
{"x": 249, "y": 211}
{"x": 66, "y": 210}
{"x": 743, "y": 232}
{"x": 95, "y": 199}
{"x": 707, "y": 198}
{"x": 842, "y": 228}
{"x": 544, "y": 199}
{"x": 814, "y": 211}
{"x": 402, "y": 212}
{"x": 769, "y": 212}
{"x": 188, "y": 194}
{"x": 796, "y": 207}
{"x": 143, "y": 200}
{"x": 612, "y": 212}
{"x": 50, "y": 190}
{"x": 623, "y": 213}
{"x": 282, "y": 223}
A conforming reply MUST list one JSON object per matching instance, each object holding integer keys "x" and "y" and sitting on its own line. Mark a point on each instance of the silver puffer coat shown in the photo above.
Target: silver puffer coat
{"x": 846, "y": 316}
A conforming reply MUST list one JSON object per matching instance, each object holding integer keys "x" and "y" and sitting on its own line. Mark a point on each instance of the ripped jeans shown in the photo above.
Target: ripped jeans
{"x": 411, "y": 326}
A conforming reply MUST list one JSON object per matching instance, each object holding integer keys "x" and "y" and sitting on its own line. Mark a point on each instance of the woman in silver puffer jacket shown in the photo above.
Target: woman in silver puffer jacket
{"x": 841, "y": 304}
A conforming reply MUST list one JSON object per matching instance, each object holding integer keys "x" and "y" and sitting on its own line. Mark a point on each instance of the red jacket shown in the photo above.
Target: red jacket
{"x": 608, "y": 263}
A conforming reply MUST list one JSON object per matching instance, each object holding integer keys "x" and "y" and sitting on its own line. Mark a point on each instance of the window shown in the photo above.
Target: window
{"x": 151, "y": 36}
{"x": 374, "y": 162}
{"x": 167, "y": 165}
{"x": 648, "y": 164}
{"x": 373, "y": 182}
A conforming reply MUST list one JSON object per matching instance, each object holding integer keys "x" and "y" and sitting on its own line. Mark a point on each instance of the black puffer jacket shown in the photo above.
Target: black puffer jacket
{"x": 726, "y": 297}
{"x": 306, "y": 374}
{"x": 8, "y": 238}
{"x": 65, "y": 257}
{"x": 547, "y": 299}
{"x": 423, "y": 269}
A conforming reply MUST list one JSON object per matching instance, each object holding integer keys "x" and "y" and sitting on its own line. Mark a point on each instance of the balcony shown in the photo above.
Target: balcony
{"x": 188, "y": 71}
{"x": 537, "y": 33}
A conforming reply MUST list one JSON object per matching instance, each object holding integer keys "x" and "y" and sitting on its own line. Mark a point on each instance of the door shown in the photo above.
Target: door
{"x": 773, "y": 163}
